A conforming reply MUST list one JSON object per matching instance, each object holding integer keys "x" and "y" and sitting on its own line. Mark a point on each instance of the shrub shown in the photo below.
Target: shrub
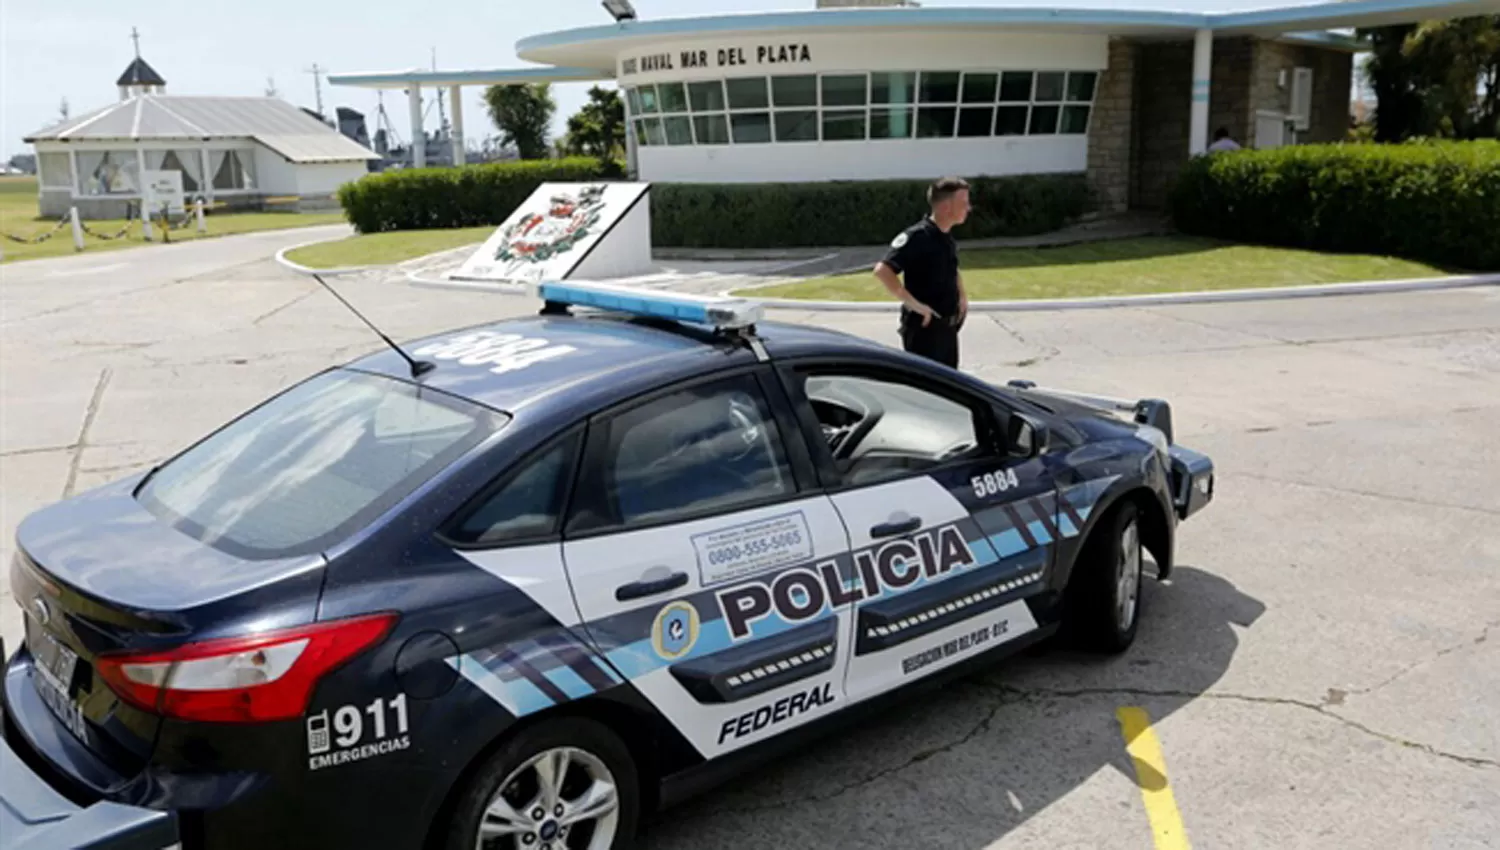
{"x": 751, "y": 215}
{"x": 414, "y": 199}
{"x": 1433, "y": 201}
{"x": 774, "y": 215}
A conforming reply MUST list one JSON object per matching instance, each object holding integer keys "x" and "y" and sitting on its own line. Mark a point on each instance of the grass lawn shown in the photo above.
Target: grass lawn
{"x": 379, "y": 249}
{"x": 1125, "y": 267}
{"x": 18, "y": 217}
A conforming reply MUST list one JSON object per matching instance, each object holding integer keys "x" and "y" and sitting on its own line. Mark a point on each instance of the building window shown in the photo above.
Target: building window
{"x": 232, "y": 170}
{"x": 710, "y": 129}
{"x": 840, "y": 107}
{"x": 750, "y": 128}
{"x": 54, "y": 171}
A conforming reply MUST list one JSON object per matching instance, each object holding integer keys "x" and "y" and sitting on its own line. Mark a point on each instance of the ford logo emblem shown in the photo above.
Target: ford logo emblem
{"x": 43, "y": 613}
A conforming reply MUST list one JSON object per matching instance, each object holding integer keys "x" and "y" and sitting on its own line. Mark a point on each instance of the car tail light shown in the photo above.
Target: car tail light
{"x": 262, "y": 677}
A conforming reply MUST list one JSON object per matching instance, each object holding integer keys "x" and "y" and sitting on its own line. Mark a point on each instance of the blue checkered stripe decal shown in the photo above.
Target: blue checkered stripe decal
{"x": 557, "y": 667}
{"x": 535, "y": 674}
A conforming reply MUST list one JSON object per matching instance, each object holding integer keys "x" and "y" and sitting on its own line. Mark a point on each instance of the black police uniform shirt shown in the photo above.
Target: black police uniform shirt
{"x": 928, "y": 260}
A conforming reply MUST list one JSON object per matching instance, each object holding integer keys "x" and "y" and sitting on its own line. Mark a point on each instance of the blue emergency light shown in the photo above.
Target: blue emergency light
{"x": 716, "y": 311}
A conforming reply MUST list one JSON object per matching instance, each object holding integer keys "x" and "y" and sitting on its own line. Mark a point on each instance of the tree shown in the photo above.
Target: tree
{"x": 598, "y": 129}
{"x": 522, "y": 113}
{"x": 1459, "y": 61}
{"x": 1439, "y": 78}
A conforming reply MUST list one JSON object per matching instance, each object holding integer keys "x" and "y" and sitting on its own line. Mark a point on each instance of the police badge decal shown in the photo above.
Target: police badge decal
{"x": 539, "y": 236}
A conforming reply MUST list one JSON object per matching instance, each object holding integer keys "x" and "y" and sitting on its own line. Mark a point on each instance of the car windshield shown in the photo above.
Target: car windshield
{"x": 314, "y": 464}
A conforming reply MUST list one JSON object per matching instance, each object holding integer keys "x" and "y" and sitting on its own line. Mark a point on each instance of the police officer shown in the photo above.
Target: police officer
{"x": 933, "y": 301}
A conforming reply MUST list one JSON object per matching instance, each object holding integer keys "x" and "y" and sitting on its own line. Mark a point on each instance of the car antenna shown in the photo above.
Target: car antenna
{"x": 418, "y": 367}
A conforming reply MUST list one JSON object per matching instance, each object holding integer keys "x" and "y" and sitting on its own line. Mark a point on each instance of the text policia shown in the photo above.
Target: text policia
{"x": 800, "y": 594}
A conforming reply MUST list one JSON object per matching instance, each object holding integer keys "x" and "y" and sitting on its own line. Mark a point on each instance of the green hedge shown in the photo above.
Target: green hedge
{"x": 422, "y": 198}
{"x": 766, "y": 215}
{"x": 777, "y": 215}
{"x": 1433, "y": 201}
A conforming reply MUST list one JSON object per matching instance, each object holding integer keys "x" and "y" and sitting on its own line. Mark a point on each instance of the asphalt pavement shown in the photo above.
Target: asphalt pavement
{"x": 1323, "y": 670}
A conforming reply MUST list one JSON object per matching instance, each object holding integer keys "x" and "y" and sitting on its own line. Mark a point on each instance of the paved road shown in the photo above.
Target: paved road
{"x": 1323, "y": 671}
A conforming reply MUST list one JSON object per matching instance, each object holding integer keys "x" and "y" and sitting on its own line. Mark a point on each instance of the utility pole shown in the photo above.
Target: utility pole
{"x": 317, "y": 83}
{"x": 442, "y": 116}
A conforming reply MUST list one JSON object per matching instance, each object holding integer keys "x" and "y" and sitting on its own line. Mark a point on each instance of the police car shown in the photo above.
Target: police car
{"x": 522, "y": 584}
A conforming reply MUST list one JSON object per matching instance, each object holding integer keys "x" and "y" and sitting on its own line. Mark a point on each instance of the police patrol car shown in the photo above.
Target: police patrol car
{"x": 518, "y": 585}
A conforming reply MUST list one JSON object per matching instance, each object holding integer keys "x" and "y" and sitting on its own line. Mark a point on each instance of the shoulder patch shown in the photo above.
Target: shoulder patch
{"x": 899, "y": 240}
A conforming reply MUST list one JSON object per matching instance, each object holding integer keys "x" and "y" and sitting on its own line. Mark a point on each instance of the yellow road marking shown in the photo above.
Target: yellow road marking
{"x": 1151, "y": 776}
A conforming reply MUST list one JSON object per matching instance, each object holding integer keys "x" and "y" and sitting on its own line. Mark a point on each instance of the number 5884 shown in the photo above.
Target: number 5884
{"x": 991, "y": 483}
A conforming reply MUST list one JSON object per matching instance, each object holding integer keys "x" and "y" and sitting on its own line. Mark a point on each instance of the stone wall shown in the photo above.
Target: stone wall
{"x": 1111, "y": 129}
{"x": 1332, "y": 76}
{"x": 1163, "y": 86}
{"x": 1244, "y": 81}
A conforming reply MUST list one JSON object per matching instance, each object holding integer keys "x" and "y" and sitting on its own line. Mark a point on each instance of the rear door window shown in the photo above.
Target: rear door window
{"x": 527, "y": 503}
{"x": 314, "y": 464}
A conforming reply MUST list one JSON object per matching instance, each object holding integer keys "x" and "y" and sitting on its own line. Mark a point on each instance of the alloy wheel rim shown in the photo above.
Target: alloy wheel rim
{"x": 1127, "y": 576}
{"x": 562, "y": 798}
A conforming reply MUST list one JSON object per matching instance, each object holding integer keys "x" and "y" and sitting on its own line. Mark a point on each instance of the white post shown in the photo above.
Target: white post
{"x": 73, "y": 173}
{"x": 206, "y": 182}
{"x": 77, "y": 228}
{"x": 198, "y": 210}
{"x": 418, "y": 138}
{"x": 456, "y": 101}
{"x": 145, "y": 192}
{"x": 631, "y": 168}
{"x": 1203, "y": 58}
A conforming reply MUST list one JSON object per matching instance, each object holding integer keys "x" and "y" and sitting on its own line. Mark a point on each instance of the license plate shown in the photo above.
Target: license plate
{"x": 55, "y": 665}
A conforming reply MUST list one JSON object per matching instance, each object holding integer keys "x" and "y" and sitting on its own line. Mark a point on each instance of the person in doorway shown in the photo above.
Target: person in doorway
{"x": 1222, "y": 142}
{"x": 933, "y": 302}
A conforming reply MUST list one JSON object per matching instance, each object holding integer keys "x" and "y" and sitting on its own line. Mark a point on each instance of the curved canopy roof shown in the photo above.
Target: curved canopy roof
{"x": 597, "y": 46}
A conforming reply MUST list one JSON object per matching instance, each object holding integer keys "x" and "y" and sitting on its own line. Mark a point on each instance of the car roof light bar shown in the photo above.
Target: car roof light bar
{"x": 717, "y": 311}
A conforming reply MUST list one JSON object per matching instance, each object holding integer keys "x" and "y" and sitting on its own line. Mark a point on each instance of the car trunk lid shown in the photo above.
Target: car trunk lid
{"x": 99, "y": 574}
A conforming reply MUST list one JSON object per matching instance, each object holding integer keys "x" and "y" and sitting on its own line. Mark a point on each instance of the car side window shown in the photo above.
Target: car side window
{"x": 879, "y": 428}
{"x": 712, "y": 447}
{"x": 528, "y": 503}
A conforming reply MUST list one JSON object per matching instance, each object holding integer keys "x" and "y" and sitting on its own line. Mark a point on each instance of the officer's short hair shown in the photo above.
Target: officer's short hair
{"x": 944, "y": 188}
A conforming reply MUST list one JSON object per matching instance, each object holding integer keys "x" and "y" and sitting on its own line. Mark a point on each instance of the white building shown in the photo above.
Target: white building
{"x": 234, "y": 151}
{"x": 877, "y": 89}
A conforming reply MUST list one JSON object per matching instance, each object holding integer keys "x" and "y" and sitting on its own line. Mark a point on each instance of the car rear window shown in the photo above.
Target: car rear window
{"x": 315, "y": 464}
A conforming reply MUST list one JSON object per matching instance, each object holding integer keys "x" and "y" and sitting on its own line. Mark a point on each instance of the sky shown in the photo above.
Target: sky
{"x": 76, "y": 50}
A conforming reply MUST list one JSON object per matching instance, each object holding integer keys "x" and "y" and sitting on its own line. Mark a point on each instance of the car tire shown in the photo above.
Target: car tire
{"x": 593, "y": 754}
{"x": 1104, "y": 610}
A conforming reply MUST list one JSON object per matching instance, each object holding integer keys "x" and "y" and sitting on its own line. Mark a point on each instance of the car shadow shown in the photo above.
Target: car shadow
{"x": 963, "y": 765}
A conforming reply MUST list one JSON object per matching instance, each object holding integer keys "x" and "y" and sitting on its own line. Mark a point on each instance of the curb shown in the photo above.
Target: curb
{"x": 347, "y": 270}
{"x": 307, "y": 270}
{"x": 1221, "y": 296}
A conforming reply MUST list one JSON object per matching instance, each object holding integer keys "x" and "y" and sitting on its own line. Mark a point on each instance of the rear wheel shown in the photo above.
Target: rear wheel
{"x": 1105, "y": 594}
{"x": 564, "y": 784}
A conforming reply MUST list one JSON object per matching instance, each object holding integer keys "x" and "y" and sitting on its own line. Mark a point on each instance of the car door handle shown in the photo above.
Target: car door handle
{"x": 650, "y": 587}
{"x": 893, "y": 527}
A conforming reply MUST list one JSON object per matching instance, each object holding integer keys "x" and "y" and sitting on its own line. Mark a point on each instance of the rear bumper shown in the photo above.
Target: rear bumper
{"x": 1192, "y": 481}
{"x": 35, "y": 815}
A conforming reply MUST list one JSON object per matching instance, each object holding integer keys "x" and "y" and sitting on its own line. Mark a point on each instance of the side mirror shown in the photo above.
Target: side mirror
{"x": 1028, "y": 436}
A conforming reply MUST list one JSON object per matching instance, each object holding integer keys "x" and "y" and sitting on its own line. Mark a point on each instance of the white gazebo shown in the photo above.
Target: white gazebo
{"x": 234, "y": 151}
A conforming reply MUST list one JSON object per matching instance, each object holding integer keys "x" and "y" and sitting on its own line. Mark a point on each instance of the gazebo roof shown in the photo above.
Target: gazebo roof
{"x": 138, "y": 73}
{"x": 271, "y": 121}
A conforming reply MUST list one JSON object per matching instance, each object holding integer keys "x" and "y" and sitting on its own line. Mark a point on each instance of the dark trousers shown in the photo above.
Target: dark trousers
{"x": 937, "y": 341}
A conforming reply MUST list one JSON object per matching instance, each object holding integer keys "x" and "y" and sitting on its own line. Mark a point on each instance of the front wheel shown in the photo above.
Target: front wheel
{"x": 1106, "y": 591}
{"x": 564, "y": 784}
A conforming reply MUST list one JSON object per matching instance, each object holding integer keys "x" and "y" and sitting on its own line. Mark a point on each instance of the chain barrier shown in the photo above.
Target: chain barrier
{"x": 39, "y": 238}
{"x": 131, "y": 216}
